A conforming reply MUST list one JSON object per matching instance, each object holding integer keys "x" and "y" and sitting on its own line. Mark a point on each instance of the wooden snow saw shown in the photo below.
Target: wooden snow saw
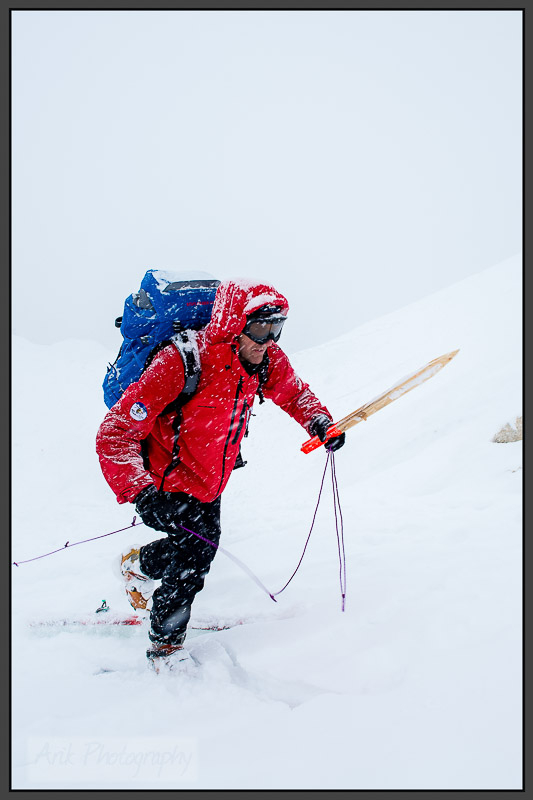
{"x": 402, "y": 387}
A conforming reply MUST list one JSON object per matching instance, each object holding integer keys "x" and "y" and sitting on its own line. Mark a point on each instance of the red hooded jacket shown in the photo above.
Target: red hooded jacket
{"x": 213, "y": 421}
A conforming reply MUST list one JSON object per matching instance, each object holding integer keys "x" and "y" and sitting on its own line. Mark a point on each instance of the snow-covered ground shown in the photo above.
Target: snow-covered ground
{"x": 417, "y": 685}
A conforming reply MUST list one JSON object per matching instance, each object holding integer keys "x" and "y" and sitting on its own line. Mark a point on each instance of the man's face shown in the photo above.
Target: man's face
{"x": 251, "y": 351}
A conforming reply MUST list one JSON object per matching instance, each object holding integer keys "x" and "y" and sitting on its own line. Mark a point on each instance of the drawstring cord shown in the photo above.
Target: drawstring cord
{"x": 310, "y": 531}
{"x": 68, "y": 544}
{"x": 330, "y": 461}
{"x": 339, "y": 527}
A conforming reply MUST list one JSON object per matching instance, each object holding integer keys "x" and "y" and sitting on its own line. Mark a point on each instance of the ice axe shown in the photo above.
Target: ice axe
{"x": 402, "y": 387}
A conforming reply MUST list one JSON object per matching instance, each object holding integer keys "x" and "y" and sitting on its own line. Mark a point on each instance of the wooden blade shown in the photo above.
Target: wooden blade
{"x": 402, "y": 387}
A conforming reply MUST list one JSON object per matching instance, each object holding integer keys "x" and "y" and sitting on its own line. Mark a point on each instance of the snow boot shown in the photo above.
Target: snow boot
{"x": 164, "y": 655}
{"x": 139, "y": 588}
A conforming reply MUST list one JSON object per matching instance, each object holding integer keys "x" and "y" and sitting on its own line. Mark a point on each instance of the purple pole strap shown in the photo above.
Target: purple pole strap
{"x": 68, "y": 544}
{"x": 340, "y": 533}
{"x": 311, "y": 529}
{"x": 330, "y": 460}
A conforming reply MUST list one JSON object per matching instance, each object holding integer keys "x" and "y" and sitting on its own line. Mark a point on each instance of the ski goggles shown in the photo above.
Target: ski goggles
{"x": 261, "y": 330}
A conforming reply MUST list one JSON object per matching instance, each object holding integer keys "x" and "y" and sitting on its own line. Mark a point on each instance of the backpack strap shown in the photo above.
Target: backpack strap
{"x": 185, "y": 342}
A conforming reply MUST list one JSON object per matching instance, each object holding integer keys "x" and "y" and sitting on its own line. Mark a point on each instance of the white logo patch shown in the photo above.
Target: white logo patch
{"x": 138, "y": 411}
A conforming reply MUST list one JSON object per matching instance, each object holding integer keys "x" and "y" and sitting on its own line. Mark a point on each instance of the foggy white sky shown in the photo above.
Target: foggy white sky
{"x": 357, "y": 160}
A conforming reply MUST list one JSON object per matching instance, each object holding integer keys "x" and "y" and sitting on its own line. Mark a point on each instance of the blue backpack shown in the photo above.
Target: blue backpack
{"x": 165, "y": 308}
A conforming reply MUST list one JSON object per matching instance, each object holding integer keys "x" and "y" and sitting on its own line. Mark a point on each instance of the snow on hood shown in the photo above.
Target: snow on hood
{"x": 235, "y": 298}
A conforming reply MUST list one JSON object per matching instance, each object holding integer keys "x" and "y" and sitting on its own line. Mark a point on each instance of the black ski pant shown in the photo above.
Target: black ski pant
{"x": 180, "y": 561}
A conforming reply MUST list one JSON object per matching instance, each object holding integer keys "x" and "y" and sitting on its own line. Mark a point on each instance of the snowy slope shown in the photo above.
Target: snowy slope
{"x": 417, "y": 685}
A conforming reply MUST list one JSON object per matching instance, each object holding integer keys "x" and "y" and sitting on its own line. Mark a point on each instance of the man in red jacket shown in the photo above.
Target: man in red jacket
{"x": 174, "y": 462}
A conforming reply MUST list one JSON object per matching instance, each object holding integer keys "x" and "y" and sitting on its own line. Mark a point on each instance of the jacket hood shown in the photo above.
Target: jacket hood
{"x": 234, "y": 300}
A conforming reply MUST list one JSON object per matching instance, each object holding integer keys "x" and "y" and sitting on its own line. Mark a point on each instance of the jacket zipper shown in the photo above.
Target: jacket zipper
{"x": 241, "y": 422}
{"x": 235, "y": 404}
